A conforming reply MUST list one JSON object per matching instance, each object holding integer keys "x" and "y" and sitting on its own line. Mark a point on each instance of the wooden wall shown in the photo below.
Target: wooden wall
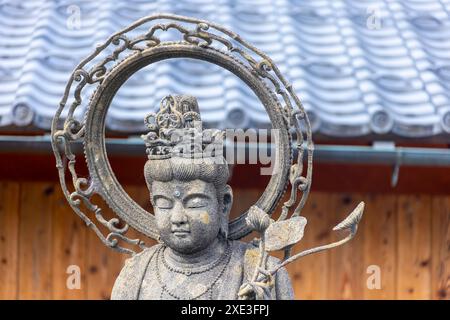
{"x": 407, "y": 236}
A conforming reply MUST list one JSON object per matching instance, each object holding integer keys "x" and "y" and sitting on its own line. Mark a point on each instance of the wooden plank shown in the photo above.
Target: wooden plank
{"x": 414, "y": 247}
{"x": 9, "y": 239}
{"x": 380, "y": 246}
{"x": 309, "y": 275}
{"x": 440, "y": 284}
{"x": 103, "y": 265}
{"x": 69, "y": 248}
{"x": 347, "y": 274}
{"x": 35, "y": 239}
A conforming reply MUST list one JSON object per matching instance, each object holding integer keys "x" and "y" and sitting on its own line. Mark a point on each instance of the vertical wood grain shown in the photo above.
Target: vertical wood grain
{"x": 309, "y": 275}
{"x": 380, "y": 245}
{"x": 35, "y": 241}
{"x": 9, "y": 239}
{"x": 69, "y": 248}
{"x": 440, "y": 284}
{"x": 414, "y": 247}
{"x": 347, "y": 274}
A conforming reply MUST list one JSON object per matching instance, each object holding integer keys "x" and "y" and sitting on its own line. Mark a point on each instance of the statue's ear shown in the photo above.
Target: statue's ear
{"x": 227, "y": 200}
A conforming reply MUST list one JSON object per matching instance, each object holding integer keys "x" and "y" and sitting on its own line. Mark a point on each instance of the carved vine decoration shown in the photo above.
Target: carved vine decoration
{"x": 91, "y": 72}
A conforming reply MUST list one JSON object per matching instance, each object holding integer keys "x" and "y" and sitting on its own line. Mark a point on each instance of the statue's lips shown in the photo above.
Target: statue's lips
{"x": 180, "y": 232}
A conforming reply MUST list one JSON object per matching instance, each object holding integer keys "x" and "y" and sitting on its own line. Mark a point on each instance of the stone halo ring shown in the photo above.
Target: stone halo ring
{"x": 105, "y": 70}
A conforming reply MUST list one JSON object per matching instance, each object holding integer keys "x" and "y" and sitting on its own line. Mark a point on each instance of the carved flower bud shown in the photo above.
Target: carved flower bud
{"x": 257, "y": 219}
{"x": 352, "y": 220}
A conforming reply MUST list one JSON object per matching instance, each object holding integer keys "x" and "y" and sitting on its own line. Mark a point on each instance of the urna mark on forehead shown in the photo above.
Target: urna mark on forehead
{"x": 181, "y": 189}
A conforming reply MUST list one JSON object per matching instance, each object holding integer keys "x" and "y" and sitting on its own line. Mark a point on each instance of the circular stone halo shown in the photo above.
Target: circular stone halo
{"x": 101, "y": 172}
{"x": 245, "y": 61}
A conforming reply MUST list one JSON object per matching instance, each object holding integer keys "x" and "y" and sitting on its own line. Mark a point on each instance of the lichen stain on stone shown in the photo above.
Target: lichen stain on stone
{"x": 284, "y": 234}
{"x": 204, "y": 217}
{"x": 252, "y": 256}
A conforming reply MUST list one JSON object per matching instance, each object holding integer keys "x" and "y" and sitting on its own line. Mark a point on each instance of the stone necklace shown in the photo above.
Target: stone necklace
{"x": 160, "y": 256}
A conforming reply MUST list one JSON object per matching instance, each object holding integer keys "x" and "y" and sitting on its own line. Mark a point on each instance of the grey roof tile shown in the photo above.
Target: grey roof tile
{"x": 352, "y": 78}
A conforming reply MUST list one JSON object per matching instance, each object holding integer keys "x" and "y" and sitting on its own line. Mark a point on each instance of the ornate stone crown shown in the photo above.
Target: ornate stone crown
{"x": 176, "y": 130}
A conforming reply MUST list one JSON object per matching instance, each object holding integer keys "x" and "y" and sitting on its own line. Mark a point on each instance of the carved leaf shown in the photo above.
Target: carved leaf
{"x": 282, "y": 234}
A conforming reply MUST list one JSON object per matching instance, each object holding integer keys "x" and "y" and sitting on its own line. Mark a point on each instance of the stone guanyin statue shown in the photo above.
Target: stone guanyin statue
{"x": 199, "y": 255}
{"x": 187, "y": 180}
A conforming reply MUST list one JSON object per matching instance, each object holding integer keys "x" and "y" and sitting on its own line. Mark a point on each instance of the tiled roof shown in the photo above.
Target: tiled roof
{"x": 360, "y": 67}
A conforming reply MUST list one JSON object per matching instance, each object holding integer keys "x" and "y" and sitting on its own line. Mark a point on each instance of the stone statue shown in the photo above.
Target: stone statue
{"x": 192, "y": 202}
{"x": 199, "y": 255}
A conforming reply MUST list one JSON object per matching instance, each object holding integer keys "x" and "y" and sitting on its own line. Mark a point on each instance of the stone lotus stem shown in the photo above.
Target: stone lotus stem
{"x": 349, "y": 223}
{"x": 257, "y": 221}
{"x": 315, "y": 250}
{"x": 262, "y": 255}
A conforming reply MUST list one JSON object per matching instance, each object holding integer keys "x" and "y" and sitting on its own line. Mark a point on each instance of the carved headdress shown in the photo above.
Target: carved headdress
{"x": 176, "y": 131}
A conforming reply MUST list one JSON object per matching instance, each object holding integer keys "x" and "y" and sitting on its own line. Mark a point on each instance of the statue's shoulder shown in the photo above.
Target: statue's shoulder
{"x": 141, "y": 257}
{"x": 129, "y": 281}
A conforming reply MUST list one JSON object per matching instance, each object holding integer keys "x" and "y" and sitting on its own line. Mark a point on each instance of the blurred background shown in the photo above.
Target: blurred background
{"x": 373, "y": 75}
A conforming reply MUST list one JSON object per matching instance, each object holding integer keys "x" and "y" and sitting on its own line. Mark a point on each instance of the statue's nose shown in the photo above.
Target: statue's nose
{"x": 179, "y": 216}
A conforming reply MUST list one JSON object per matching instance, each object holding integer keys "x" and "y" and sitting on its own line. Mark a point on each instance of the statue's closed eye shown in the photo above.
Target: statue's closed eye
{"x": 196, "y": 202}
{"x": 163, "y": 203}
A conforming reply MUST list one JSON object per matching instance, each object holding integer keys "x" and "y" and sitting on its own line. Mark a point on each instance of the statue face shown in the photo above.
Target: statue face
{"x": 187, "y": 214}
